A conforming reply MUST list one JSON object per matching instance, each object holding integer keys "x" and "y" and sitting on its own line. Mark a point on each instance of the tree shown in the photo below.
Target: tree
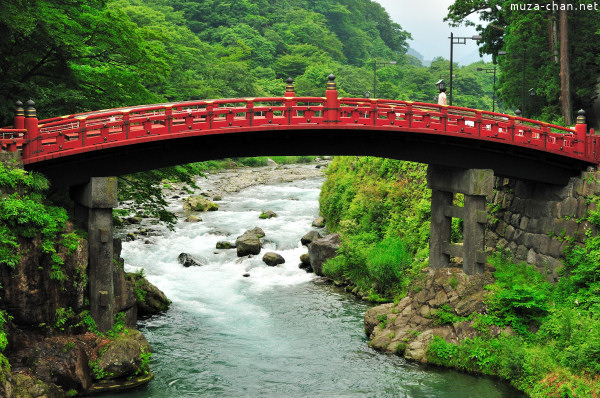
{"x": 72, "y": 56}
{"x": 535, "y": 34}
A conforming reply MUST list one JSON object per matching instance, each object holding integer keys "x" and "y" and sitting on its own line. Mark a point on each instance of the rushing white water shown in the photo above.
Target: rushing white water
{"x": 275, "y": 333}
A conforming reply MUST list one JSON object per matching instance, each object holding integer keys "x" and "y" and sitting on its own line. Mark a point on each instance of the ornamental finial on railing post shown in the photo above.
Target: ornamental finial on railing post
{"x": 331, "y": 102}
{"x": 289, "y": 88}
{"x": 580, "y": 117}
{"x": 331, "y": 83}
{"x": 581, "y": 132}
{"x": 19, "y": 120}
{"x": 33, "y": 131}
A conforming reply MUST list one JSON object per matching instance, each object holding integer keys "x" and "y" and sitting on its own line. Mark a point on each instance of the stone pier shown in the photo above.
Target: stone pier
{"x": 94, "y": 202}
{"x": 475, "y": 184}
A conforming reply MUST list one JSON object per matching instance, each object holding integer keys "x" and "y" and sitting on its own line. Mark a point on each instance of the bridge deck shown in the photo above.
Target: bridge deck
{"x": 479, "y": 137}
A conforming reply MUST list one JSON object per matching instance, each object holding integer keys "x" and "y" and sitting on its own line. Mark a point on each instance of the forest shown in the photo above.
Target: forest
{"x": 73, "y": 56}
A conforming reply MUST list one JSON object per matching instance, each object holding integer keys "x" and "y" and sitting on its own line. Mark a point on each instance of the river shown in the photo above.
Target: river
{"x": 276, "y": 333}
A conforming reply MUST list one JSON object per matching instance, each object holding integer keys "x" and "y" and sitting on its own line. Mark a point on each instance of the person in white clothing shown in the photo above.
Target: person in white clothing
{"x": 442, "y": 97}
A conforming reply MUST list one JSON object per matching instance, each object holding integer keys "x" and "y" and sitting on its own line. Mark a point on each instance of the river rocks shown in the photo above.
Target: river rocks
{"x": 25, "y": 386}
{"x": 248, "y": 243}
{"x": 322, "y": 250}
{"x": 134, "y": 220}
{"x": 319, "y": 222}
{"x": 305, "y": 258}
{"x": 187, "y": 260}
{"x": 309, "y": 237}
{"x": 199, "y": 203}
{"x": 258, "y": 232}
{"x": 123, "y": 356}
{"x": 410, "y": 325}
{"x": 150, "y": 300}
{"x": 267, "y": 214}
{"x": 305, "y": 263}
{"x": 192, "y": 218}
{"x": 223, "y": 244}
{"x": 273, "y": 259}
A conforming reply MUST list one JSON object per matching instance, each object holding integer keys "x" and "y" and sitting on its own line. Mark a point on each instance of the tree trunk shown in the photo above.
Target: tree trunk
{"x": 565, "y": 78}
{"x": 553, "y": 35}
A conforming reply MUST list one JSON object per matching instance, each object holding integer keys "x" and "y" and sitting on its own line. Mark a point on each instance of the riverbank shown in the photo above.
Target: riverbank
{"x": 542, "y": 337}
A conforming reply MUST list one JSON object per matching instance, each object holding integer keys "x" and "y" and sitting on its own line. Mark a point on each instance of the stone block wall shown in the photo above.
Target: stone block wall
{"x": 532, "y": 220}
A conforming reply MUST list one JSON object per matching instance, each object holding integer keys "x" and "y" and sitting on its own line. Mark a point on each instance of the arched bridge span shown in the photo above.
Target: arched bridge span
{"x": 71, "y": 149}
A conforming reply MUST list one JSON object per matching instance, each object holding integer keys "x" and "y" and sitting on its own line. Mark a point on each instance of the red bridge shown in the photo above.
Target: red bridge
{"x": 72, "y": 148}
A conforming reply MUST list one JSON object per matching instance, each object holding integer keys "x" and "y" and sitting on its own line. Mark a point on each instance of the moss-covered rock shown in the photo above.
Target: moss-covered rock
{"x": 267, "y": 214}
{"x": 27, "y": 386}
{"x": 150, "y": 299}
{"x": 199, "y": 203}
{"x": 123, "y": 356}
{"x": 273, "y": 259}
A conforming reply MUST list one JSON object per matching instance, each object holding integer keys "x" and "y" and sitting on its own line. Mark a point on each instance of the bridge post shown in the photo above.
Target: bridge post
{"x": 94, "y": 202}
{"x": 33, "y": 132}
{"x": 19, "y": 120}
{"x": 332, "y": 104}
{"x": 581, "y": 131}
{"x": 475, "y": 184}
{"x": 289, "y": 88}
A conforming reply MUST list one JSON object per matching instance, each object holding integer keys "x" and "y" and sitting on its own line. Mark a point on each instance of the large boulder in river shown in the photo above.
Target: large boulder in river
{"x": 198, "y": 203}
{"x": 187, "y": 260}
{"x": 322, "y": 250}
{"x": 273, "y": 259}
{"x": 248, "y": 243}
{"x": 309, "y": 237}
{"x": 150, "y": 300}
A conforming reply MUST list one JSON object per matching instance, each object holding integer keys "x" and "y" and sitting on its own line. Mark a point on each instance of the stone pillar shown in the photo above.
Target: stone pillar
{"x": 474, "y": 222}
{"x": 94, "y": 202}
{"x": 475, "y": 184}
{"x": 441, "y": 228}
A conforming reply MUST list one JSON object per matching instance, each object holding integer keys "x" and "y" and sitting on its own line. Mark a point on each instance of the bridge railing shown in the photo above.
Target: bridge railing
{"x": 78, "y": 133}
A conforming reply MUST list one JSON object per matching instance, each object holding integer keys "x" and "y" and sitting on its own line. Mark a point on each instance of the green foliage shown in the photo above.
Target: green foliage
{"x": 519, "y": 297}
{"x": 118, "y": 326}
{"x": 581, "y": 286}
{"x": 145, "y": 357}
{"x": 557, "y": 349}
{"x": 63, "y": 317}
{"x": 445, "y": 316}
{"x": 88, "y": 322}
{"x": 381, "y": 208}
{"x": 24, "y": 215}
{"x": 533, "y": 53}
{"x": 97, "y": 372}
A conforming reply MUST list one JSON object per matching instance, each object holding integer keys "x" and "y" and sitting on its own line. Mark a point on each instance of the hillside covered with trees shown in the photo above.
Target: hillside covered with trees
{"x": 86, "y": 55}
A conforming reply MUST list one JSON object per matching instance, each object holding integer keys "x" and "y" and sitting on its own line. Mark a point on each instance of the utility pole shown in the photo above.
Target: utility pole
{"x": 565, "y": 74}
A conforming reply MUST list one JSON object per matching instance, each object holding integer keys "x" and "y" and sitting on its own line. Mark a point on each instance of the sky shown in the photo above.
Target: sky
{"x": 424, "y": 20}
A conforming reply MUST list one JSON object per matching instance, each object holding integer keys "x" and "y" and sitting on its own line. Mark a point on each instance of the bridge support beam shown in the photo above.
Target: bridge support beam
{"x": 94, "y": 202}
{"x": 475, "y": 184}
